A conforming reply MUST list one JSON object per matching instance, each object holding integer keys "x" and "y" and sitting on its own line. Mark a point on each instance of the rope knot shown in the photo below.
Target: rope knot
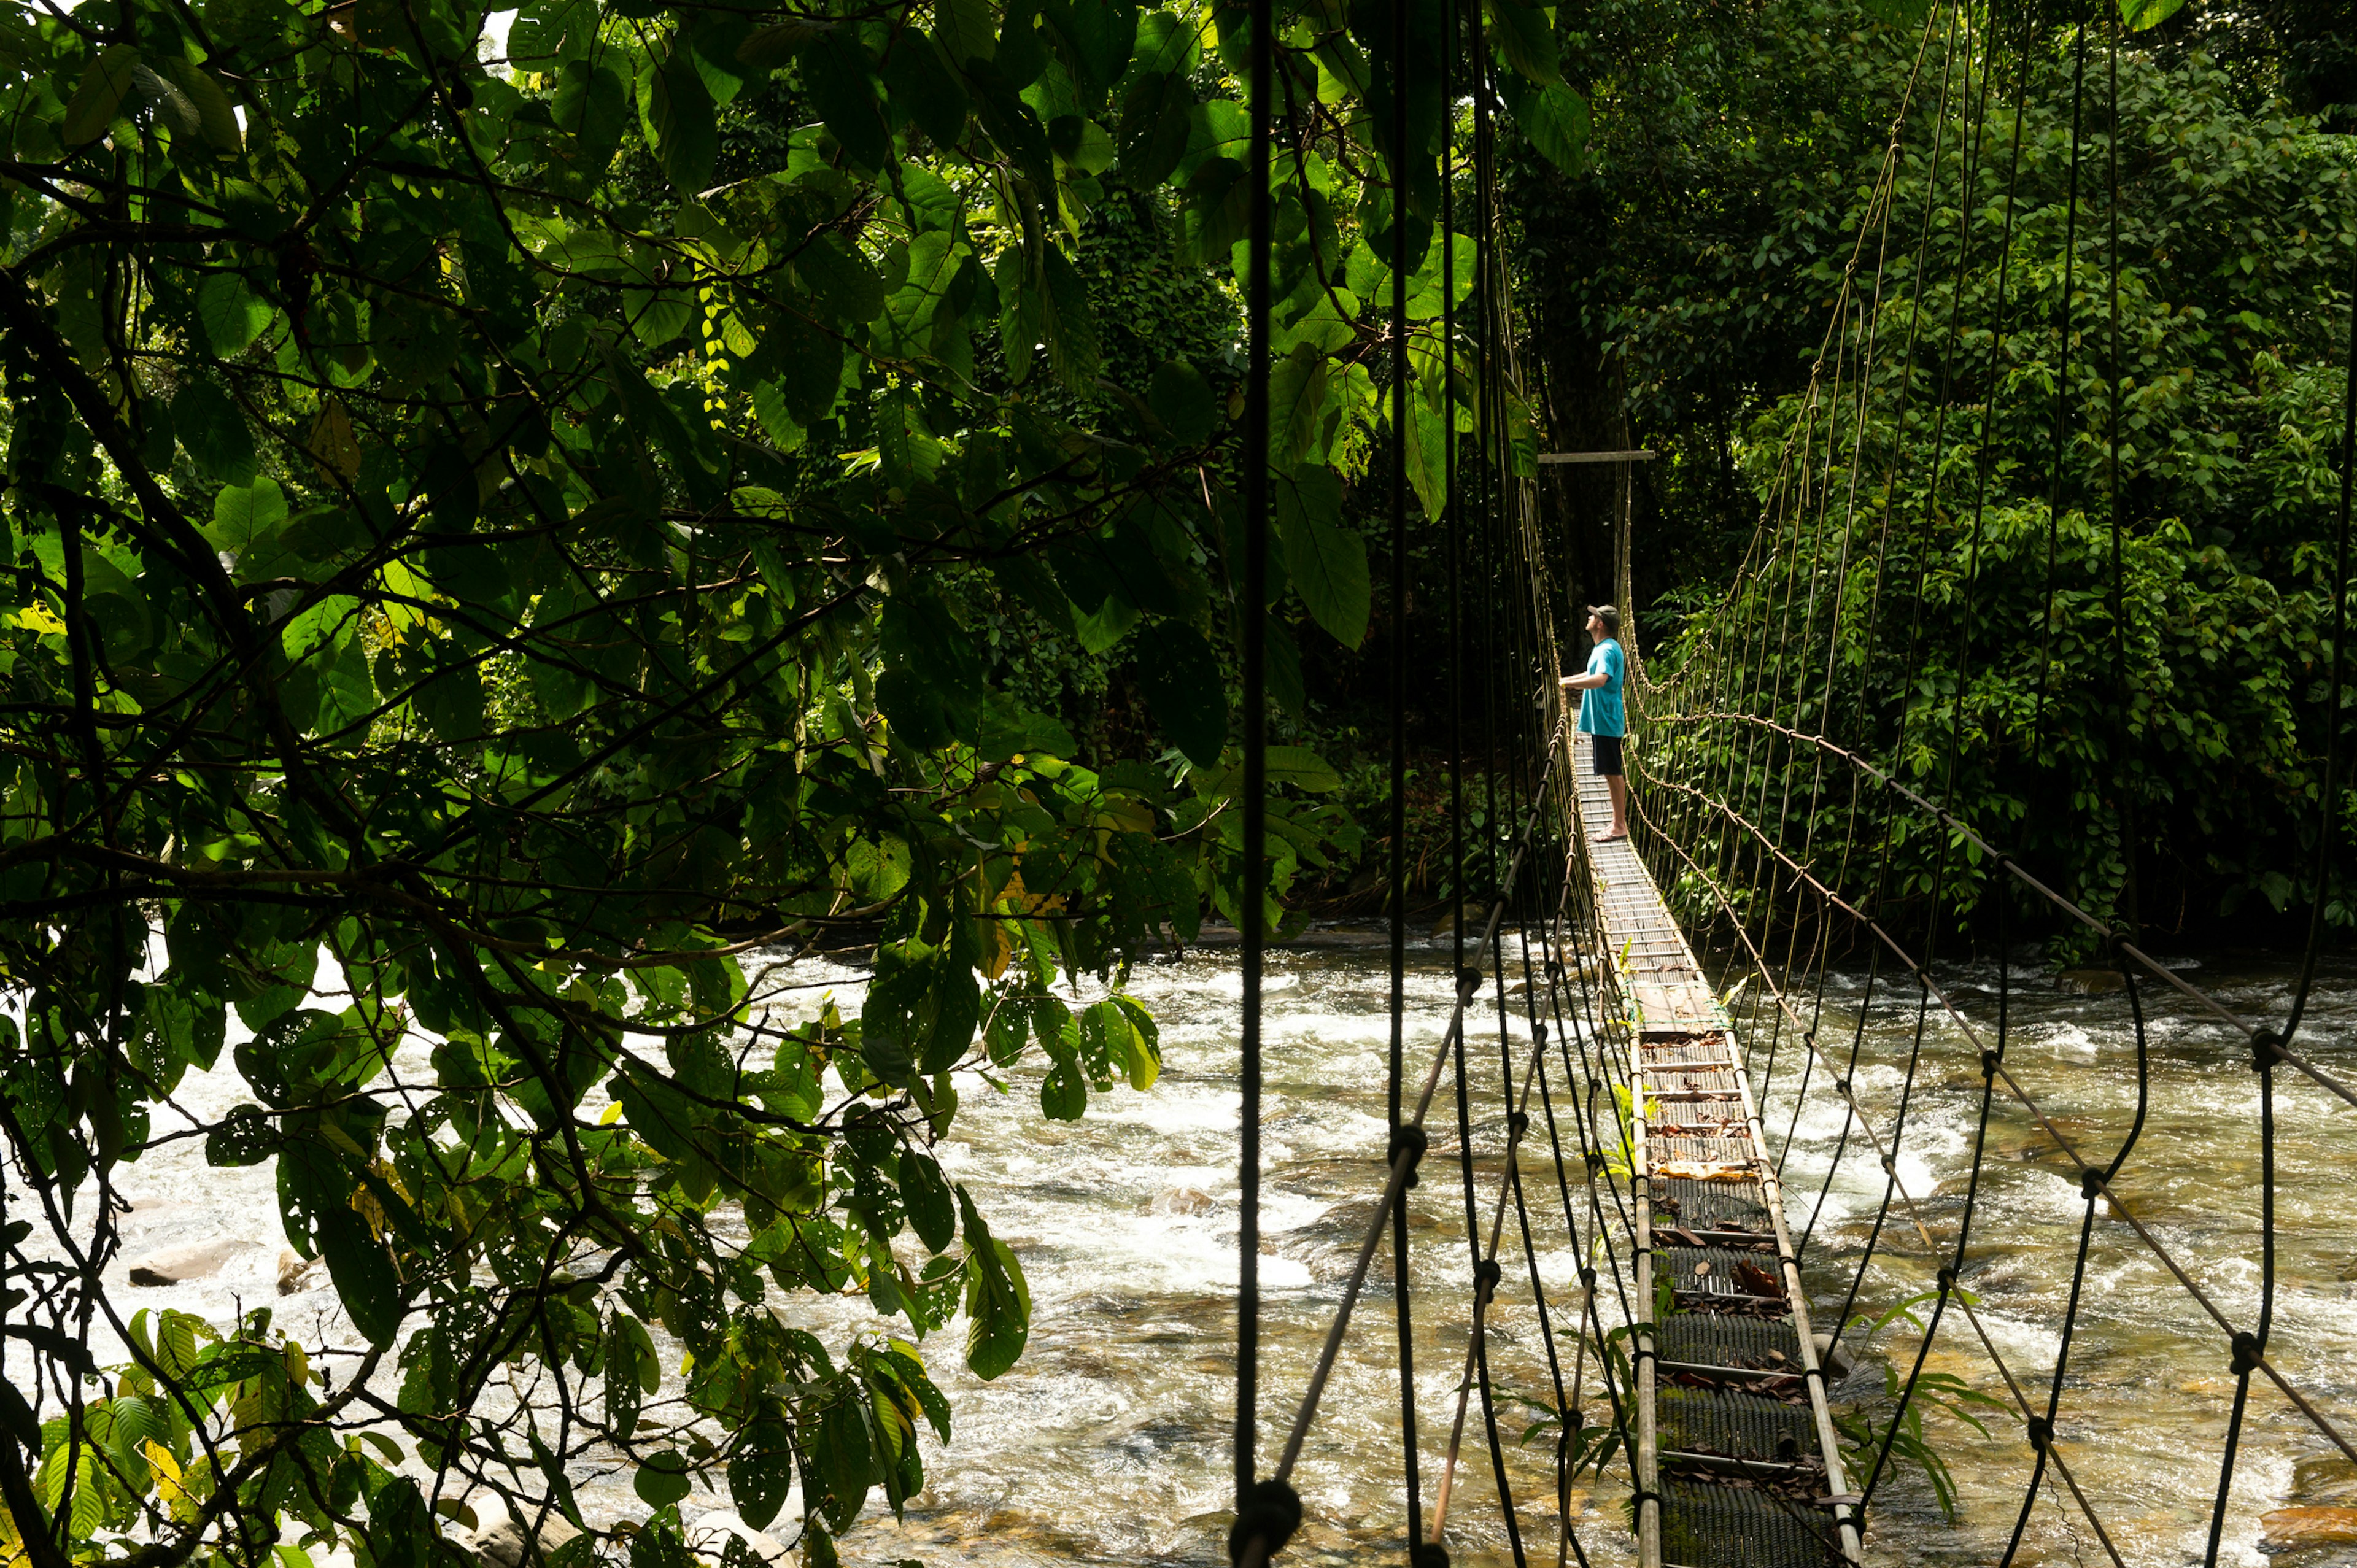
{"x": 2041, "y": 1432}
{"x": 1538, "y": 1030}
{"x": 1469, "y": 980}
{"x": 1430, "y": 1555}
{"x": 1486, "y": 1275}
{"x": 1518, "y": 1124}
{"x": 2091, "y": 1185}
{"x": 2266, "y": 1049}
{"x": 1268, "y": 1512}
{"x": 1988, "y": 1064}
{"x": 2246, "y": 1355}
{"x": 1947, "y": 1277}
{"x": 1412, "y": 1141}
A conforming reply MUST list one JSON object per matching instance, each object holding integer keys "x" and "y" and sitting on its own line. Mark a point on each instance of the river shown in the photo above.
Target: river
{"x": 1109, "y": 1442}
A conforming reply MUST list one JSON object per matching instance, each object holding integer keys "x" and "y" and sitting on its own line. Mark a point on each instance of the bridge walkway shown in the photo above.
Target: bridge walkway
{"x": 1735, "y": 1442}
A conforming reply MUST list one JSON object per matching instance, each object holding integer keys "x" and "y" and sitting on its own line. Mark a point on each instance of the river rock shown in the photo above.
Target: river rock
{"x": 2090, "y": 982}
{"x": 178, "y": 1265}
{"x": 296, "y": 1274}
{"x": 1185, "y": 1201}
{"x": 504, "y": 1545}
{"x": 2287, "y": 1528}
{"x": 1838, "y": 1361}
{"x": 2324, "y": 1478}
{"x": 710, "y": 1534}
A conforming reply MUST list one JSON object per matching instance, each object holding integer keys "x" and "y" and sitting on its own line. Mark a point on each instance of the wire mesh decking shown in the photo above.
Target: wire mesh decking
{"x": 1737, "y": 1462}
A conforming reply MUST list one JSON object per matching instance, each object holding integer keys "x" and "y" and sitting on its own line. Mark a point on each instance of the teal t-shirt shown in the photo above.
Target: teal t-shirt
{"x": 1600, "y": 708}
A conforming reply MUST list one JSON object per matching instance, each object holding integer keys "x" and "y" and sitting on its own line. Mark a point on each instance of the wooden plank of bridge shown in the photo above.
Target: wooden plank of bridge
{"x": 1737, "y": 1462}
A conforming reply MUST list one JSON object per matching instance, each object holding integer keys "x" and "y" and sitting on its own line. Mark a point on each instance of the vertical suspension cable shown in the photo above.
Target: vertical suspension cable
{"x": 1950, "y": 1271}
{"x": 2124, "y": 776}
{"x": 2327, "y": 806}
{"x": 1397, "y": 674}
{"x": 2268, "y": 1045}
{"x": 2061, "y": 388}
{"x": 1252, "y": 1530}
{"x": 2094, "y": 1185}
{"x": 1492, "y": 439}
{"x": 1451, "y": 505}
{"x": 1991, "y": 1059}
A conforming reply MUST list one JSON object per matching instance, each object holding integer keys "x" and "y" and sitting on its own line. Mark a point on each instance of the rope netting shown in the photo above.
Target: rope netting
{"x": 1528, "y": 945}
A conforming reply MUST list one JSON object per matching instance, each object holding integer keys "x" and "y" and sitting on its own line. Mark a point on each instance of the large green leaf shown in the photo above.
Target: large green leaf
{"x": 932, "y": 1212}
{"x": 925, "y": 89}
{"x": 1555, "y": 117}
{"x": 246, "y": 518}
{"x": 1182, "y": 399}
{"x": 622, "y": 1385}
{"x": 1301, "y": 768}
{"x": 1068, "y": 323}
{"x": 656, "y": 425}
{"x": 844, "y": 280}
{"x": 1097, "y": 36}
{"x": 592, "y": 106}
{"x": 550, "y": 31}
{"x": 839, "y": 77}
{"x": 1525, "y": 36}
{"x": 201, "y": 106}
{"x": 846, "y": 1458}
{"x": 1219, "y": 207}
{"x": 99, "y": 95}
{"x": 233, "y": 314}
{"x": 1327, "y": 561}
{"x": 361, "y": 1266}
{"x": 1296, "y": 405}
{"x": 213, "y": 430}
{"x": 965, "y": 30}
{"x": 1155, "y": 124}
{"x": 998, "y": 1298}
{"x": 1427, "y": 454}
{"x": 677, "y": 109}
{"x": 762, "y": 1472}
{"x": 664, "y": 1479}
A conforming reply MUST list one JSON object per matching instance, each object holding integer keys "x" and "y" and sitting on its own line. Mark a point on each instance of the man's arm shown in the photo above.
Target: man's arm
{"x": 1584, "y": 683}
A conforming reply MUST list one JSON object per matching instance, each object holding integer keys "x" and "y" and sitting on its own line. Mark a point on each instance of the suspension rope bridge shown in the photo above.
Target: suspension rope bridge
{"x": 1770, "y": 826}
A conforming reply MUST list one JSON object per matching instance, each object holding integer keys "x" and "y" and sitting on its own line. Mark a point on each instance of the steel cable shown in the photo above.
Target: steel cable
{"x": 1397, "y": 880}
{"x": 1252, "y": 902}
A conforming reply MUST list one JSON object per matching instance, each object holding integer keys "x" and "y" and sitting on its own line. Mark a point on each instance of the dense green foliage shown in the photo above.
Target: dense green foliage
{"x": 494, "y": 546}
{"x": 1933, "y": 522}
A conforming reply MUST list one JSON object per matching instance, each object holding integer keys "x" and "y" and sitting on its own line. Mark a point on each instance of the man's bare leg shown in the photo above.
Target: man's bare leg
{"x": 1620, "y": 788}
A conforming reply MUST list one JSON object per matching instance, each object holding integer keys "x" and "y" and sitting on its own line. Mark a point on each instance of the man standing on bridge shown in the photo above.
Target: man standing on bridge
{"x": 1601, "y": 719}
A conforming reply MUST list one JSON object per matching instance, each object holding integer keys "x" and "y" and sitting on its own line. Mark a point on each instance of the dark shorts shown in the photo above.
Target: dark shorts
{"x": 1607, "y": 754}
